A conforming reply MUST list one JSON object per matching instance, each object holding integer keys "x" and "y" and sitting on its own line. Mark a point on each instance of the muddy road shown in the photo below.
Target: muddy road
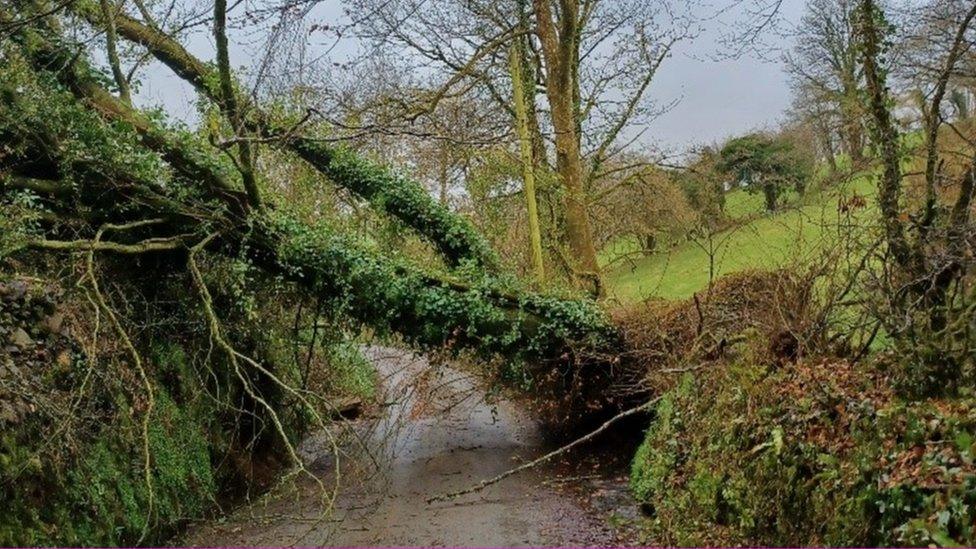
{"x": 435, "y": 434}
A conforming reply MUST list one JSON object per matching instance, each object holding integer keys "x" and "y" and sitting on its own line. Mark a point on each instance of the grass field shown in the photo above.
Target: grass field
{"x": 764, "y": 242}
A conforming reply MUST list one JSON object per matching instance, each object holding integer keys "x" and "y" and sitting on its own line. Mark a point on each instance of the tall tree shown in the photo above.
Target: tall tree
{"x": 825, "y": 69}
{"x": 519, "y": 83}
{"x": 593, "y": 105}
{"x": 765, "y": 164}
{"x": 559, "y": 31}
{"x": 931, "y": 248}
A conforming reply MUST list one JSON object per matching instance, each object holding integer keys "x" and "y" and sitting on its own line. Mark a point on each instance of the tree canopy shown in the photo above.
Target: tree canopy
{"x": 765, "y": 164}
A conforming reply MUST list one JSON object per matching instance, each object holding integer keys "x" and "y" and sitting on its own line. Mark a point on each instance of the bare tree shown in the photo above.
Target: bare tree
{"x": 931, "y": 248}
{"x": 593, "y": 62}
{"x": 826, "y": 74}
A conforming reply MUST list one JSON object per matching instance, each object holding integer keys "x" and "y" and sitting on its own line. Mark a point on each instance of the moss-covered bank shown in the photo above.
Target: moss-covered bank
{"x": 819, "y": 452}
{"x": 72, "y": 408}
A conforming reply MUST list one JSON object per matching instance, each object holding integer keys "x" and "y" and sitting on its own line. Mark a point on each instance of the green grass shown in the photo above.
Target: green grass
{"x": 766, "y": 242}
{"x": 740, "y": 204}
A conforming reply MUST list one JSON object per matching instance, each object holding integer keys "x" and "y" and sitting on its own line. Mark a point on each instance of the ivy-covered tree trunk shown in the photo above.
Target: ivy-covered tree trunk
{"x": 527, "y": 162}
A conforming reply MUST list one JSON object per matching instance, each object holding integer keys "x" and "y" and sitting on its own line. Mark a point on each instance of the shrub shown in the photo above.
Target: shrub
{"x": 819, "y": 452}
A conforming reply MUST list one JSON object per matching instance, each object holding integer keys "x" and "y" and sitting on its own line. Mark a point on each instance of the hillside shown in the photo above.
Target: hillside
{"x": 762, "y": 241}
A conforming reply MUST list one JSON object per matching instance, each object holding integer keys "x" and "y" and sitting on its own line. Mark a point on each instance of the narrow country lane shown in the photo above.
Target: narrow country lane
{"x": 437, "y": 435}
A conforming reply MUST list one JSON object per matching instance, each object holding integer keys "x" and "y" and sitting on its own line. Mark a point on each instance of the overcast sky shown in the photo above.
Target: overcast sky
{"x": 717, "y": 98}
{"x": 722, "y": 98}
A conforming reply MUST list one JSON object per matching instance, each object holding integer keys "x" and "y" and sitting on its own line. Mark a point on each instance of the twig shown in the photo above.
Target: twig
{"x": 137, "y": 360}
{"x": 494, "y": 480}
{"x": 234, "y": 357}
{"x": 682, "y": 370}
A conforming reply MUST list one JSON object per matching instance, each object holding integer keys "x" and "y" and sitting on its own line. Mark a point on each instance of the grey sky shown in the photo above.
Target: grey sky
{"x": 721, "y": 98}
{"x": 717, "y": 98}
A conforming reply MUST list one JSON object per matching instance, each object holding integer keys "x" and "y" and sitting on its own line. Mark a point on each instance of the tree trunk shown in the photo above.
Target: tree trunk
{"x": 885, "y": 137}
{"x": 649, "y": 243}
{"x": 769, "y": 191}
{"x": 428, "y": 310}
{"x": 111, "y": 51}
{"x": 852, "y": 124}
{"x": 231, "y": 106}
{"x": 528, "y": 166}
{"x": 827, "y": 144}
{"x": 854, "y": 141}
{"x": 560, "y": 52}
{"x": 578, "y": 233}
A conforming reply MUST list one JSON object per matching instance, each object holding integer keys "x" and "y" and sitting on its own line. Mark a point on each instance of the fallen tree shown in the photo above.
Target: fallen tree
{"x": 203, "y": 200}
{"x": 83, "y": 172}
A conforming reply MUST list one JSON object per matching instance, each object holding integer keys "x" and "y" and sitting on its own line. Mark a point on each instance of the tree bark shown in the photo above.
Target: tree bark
{"x": 852, "y": 131}
{"x": 528, "y": 165}
{"x": 560, "y": 50}
{"x": 827, "y": 144}
{"x": 886, "y": 136}
{"x": 112, "y": 53}
{"x": 231, "y": 107}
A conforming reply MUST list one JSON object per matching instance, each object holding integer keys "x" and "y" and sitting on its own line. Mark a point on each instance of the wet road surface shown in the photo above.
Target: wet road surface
{"x": 435, "y": 434}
